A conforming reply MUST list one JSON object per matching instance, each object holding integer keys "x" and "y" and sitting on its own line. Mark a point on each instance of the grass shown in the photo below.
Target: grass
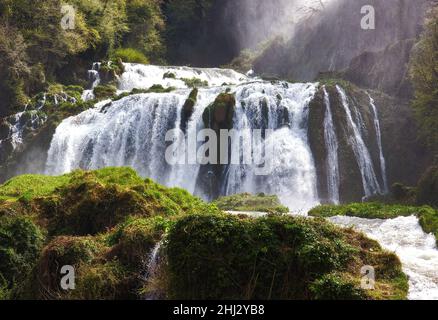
{"x": 31, "y": 185}
{"x": 130, "y": 55}
{"x": 252, "y": 203}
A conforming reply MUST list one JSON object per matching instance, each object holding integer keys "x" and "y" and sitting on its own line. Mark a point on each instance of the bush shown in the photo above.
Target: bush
{"x": 130, "y": 55}
{"x": 277, "y": 257}
{"x": 20, "y": 244}
{"x": 104, "y": 92}
{"x": 336, "y": 287}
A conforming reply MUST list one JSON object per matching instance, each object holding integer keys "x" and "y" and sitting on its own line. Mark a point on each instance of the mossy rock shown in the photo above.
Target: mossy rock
{"x": 104, "y": 92}
{"x": 219, "y": 115}
{"x": 248, "y": 202}
{"x": 428, "y": 187}
{"x": 188, "y": 108}
{"x": 288, "y": 257}
{"x": 106, "y": 223}
{"x": 20, "y": 243}
{"x": 169, "y": 75}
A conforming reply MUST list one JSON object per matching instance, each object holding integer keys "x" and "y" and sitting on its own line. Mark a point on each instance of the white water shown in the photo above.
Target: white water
{"x": 152, "y": 269}
{"x": 331, "y": 143}
{"x": 293, "y": 177}
{"x": 416, "y": 250}
{"x": 94, "y": 78}
{"x": 369, "y": 180}
{"x": 144, "y": 76}
{"x": 379, "y": 143}
{"x": 17, "y": 123}
{"x": 131, "y": 132}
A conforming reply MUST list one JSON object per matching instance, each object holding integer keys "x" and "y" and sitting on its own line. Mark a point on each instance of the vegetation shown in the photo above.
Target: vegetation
{"x": 106, "y": 223}
{"x": 35, "y": 50}
{"x": 130, "y": 55}
{"x": 248, "y": 202}
{"x": 423, "y": 66}
{"x": 195, "y": 82}
{"x": 277, "y": 257}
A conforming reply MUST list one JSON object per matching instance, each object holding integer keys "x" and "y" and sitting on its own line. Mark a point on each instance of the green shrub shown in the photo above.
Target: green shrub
{"x": 336, "y": 287}
{"x": 277, "y": 257}
{"x": 104, "y": 91}
{"x": 130, "y": 55}
{"x": 195, "y": 82}
{"x": 20, "y": 244}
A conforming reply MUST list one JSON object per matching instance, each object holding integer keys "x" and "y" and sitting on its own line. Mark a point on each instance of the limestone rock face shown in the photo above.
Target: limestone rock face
{"x": 405, "y": 160}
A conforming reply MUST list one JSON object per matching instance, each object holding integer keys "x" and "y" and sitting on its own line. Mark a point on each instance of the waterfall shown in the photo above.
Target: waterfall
{"x": 369, "y": 180}
{"x": 417, "y": 250}
{"x": 94, "y": 79}
{"x": 152, "y": 269}
{"x": 331, "y": 143}
{"x": 18, "y": 123}
{"x": 282, "y": 108}
{"x": 379, "y": 143}
{"x": 144, "y": 76}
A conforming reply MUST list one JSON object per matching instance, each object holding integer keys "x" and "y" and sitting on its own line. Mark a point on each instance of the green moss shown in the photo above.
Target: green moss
{"x": 277, "y": 257}
{"x": 428, "y": 187}
{"x": 30, "y": 186}
{"x": 104, "y": 91}
{"x": 429, "y": 221}
{"x": 369, "y": 210}
{"x": 106, "y": 223}
{"x": 248, "y": 202}
{"x": 337, "y": 287}
{"x": 20, "y": 243}
{"x": 195, "y": 82}
{"x": 219, "y": 115}
{"x": 130, "y": 55}
{"x": 169, "y": 75}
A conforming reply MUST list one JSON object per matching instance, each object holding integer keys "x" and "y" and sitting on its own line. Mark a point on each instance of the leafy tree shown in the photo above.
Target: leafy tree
{"x": 424, "y": 74}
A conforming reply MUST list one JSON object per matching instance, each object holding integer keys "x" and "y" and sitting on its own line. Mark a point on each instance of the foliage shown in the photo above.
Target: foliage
{"x": 277, "y": 257}
{"x": 130, "y": 55}
{"x": 105, "y": 92}
{"x": 424, "y": 75}
{"x": 20, "y": 243}
{"x": 248, "y": 202}
{"x": 195, "y": 82}
{"x": 427, "y": 190}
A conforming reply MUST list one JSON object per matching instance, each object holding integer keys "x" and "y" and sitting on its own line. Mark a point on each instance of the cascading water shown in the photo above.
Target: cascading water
{"x": 282, "y": 108}
{"x": 369, "y": 180}
{"x": 331, "y": 143}
{"x": 152, "y": 270}
{"x": 379, "y": 144}
{"x": 417, "y": 250}
{"x": 94, "y": 78}
{"x": 17, "y": 124}
{"x": 140, "y": 76}
{"x": 132, "y": 130}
